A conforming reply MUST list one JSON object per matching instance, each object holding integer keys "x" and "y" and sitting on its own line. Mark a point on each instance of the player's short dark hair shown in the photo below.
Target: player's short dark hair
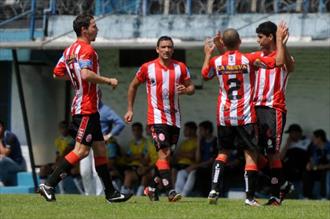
{"x": 81, "y": 21}
{"x": 191, "y": 125}
{"x": 231, "y": 38}
{"x": 207, "y": 125}
{"x": 137, "y": 125}
{"x": 267, "y": 28}
{"x": 164, "y": 38}
{"x": 320, "y": 133}
{"x": 2, "y": 123}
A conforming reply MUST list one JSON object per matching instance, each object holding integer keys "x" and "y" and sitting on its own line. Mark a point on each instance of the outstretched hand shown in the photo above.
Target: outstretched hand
{"x": 282, "y": 32}
{"x": 218, "y": 42}
{"x": 209, "y": 46}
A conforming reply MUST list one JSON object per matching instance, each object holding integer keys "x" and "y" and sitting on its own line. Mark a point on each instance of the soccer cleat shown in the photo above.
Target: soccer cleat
{"x": 118, "y": 197}
{"x": 151, "y": 193}
{"x": 173, "y": 196}
{"x": 253, "y": 203}
{"x": 47, "y": 192}
{"x": 285, "y": 189}
{"x": 273, "y": 201}
{"x": 213, "y": 197}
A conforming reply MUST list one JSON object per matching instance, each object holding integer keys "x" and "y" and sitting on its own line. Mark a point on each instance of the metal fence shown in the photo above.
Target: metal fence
{"x": 12, "y": 8}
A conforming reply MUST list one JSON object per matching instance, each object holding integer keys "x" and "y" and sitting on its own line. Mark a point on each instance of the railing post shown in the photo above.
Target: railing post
{"x": 144, "y": 7}
{"x": 32, "y": 19}
{"x": 188, "y": 7}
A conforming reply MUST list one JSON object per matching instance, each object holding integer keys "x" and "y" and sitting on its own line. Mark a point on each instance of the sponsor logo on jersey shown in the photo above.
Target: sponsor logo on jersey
{"x": 232, "y": 69}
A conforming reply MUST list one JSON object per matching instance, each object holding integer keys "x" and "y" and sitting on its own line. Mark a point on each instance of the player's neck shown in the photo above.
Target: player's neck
{"x": 270, "y": 49}
{"x": 84, "y": 39}
{"x": 165, "y": 62}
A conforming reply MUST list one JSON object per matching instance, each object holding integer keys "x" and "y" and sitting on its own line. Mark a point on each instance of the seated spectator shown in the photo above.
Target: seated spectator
{"x": 137, "y": 161}
{"x": 11, "y": 159}
{"x": 185, "y": 159}
{"x": 296, "y": 146}
{"x": 318, "y": 166}
{"x": 206, "y": 153}
{"x": 64, "y": 143}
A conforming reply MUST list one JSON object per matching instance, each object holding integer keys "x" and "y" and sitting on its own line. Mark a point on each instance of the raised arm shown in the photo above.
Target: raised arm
{"x": 208, "y": 50}
{"x": 281, "y": 39}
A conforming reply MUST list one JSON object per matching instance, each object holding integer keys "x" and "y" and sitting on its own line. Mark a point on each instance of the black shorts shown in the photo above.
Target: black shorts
{"x": 237, "y": 137}
{"x": 271, "y": 123}
{"x": 164, "y": 136}
{"x": 86, "y": 129}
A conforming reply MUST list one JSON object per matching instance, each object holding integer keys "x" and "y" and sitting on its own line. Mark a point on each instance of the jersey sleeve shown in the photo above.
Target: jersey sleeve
{"x": 209, "y": 72}
{"x": 141, "y": 73}
{"x": 185, "y": 74}
{"x": 262, "y": 62}
{"x": 86, "y": 59}
{"x": 60, "y": 69}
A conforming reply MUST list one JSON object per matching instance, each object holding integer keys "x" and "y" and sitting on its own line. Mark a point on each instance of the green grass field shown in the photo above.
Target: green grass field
{"x": 77, "y": 206}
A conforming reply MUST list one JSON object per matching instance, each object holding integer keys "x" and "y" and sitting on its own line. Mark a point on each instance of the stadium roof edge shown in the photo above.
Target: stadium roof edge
{"x": 55, "y": 45}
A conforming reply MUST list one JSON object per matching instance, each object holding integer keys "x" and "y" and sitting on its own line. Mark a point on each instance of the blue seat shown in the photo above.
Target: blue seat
{"x": 24, "y": 185}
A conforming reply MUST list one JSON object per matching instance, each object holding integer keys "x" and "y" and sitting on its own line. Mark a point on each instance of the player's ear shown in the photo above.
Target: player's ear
{"x": 271, "y": 37}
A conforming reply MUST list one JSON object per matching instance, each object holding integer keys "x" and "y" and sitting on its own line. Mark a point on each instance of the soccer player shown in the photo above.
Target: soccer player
{"x": 166, "y": 79}
{"x": 236, "y": 116}
{"x": 270, "y": 107}
{"x": 79, "y": 63}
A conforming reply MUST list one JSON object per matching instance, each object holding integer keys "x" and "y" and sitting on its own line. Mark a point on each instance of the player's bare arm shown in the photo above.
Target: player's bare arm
{"x": 90, "y": 76}
{"x": 208, "y": 50}
{"x": 281, "y": 38}
{"x": 289, "y": 61}
{"x": 187, "y": 88}
{"x": 133, "y": 86}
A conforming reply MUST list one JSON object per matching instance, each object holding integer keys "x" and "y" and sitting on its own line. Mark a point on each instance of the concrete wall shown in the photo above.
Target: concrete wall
{"x": 195, "y": 27}
{"x": 44, "y": 99}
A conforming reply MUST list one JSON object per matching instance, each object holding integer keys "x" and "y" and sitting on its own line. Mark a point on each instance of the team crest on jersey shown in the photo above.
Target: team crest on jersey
{"x": 152, "y": 81}
{"x": 232, "y": 69}
{"x": 71, "y": 59}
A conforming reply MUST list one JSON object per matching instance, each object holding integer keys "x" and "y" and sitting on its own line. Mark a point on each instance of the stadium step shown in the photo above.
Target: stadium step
{"x": 24, "y": 185}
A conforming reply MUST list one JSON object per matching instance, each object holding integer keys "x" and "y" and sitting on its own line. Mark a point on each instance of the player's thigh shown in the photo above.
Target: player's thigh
{"x": 246, "y": 137}
{"x": 161, "y": 136}
{"x": 226, "y": 138}
{"x": 86, "y": 129}
{"x": 271, "y": 124}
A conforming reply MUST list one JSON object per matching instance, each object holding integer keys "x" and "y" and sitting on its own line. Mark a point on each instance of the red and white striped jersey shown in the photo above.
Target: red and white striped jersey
{"x": 236, "y": 76}
{"x": 271, "y": 86}
{"x": 161, "y": 82}
{"x": 78, "y": 56}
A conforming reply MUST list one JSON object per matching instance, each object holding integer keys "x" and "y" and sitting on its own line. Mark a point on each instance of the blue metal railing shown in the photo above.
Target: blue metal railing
{"x": 148, "y": 7}
{"x": 30, "y": 12}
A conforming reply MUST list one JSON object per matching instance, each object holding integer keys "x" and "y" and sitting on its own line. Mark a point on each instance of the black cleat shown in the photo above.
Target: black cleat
{"x": 47, "y": 192}
{"x": 213, "y": 197}
{"x": 173, "y": 196}
{"x": 286, "y": 188}
{"x": 151, "y": 193}
{"x": 118, "y": 197}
